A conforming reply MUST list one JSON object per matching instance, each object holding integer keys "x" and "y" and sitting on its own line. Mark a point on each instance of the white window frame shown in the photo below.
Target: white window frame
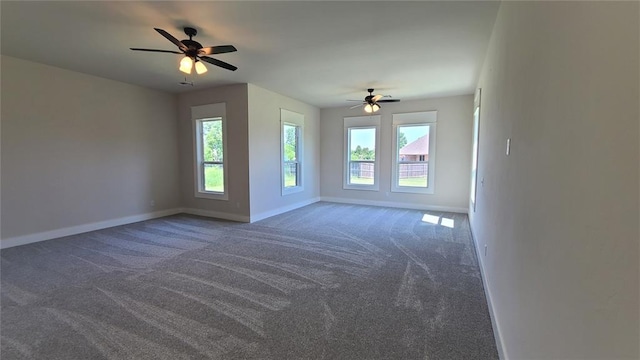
{"x": 292, "y": 118}
{"x": 361, "y": 122}
{"x": 428, "y": 118}
{"x": 198, "y": 115}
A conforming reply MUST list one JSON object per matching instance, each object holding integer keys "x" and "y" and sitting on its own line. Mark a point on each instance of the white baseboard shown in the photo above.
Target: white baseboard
{"x": 487, "y": 292}
{"x": 216, "y": 214}
{"x": 79, "y": 229}
{"x": 283, "y": 209}
{"x": 395, "y": 204}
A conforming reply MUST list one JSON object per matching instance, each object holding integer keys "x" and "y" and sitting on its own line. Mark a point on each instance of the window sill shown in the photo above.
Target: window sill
{"x": 361, "y": 187}
{"x": 413, "y": 190}
{"x": 211, "y": 195}
{"x": 292, "y": 190}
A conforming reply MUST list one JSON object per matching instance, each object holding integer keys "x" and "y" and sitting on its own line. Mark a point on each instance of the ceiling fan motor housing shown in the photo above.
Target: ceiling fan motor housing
{"x": 368, "y": 98}
{"x": 192, "y": 47}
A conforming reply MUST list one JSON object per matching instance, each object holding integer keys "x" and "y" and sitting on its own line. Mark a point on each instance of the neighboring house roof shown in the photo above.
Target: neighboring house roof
{"x": 419, "y": 146}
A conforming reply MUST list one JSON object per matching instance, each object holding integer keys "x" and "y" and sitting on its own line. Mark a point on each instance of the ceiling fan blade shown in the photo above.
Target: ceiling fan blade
{"x": 221, "y": 49}
{"x": 376, "y": 98}
{"x": 155, "y": 50}
{"x": 217, "y": 62}
{"x": 388, "y": 100}
{"x": 170, "y": 37}
{"x": 355, "y": 106}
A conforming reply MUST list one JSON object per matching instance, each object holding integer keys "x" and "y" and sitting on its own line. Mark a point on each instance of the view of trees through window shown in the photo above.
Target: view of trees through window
{"x": 291, "y": 161}
{"x": 213, "y": 154}
{"x": 362, "y": 155}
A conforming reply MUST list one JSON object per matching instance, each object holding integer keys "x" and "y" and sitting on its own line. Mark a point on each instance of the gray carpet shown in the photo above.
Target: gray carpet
{"x": 327, "y": 281}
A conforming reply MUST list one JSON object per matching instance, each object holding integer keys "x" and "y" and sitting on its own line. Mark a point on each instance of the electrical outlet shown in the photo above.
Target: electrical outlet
{"x": 485, "y": 249}
{"x": 238, "y": 205}
{"x": 152, "y": 203}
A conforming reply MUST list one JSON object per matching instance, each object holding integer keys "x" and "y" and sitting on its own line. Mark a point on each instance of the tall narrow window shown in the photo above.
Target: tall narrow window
{"x": 291, "y": 151}
{"x": 474, "y": 154}
{"x": 414, "y": 136}
{"x": 361, "y": 159}
{"x": 212, "y": 155}
{"x": 291, "y": 166}
{"x": 210, "y": 151}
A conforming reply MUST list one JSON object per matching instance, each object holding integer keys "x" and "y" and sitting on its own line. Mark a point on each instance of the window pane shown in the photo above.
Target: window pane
{"x": 474, "y": 154}
{"x": 361, "y": 173}
{"x": 362, "y": 155}
{"x": 213, "y": 177}
{"x": 413, "y": 175}
{"x": 212, "y": 140}
{"x": 291, "y": 166}
{"x": 290, "y": 143}
{"x": 363, "y": 144}
{"x": 413, "y": 155}
{"x": 290, "y": 174}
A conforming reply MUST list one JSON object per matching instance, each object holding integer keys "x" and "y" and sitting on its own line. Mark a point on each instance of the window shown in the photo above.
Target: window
{"x": 291, "y": 151}
{"x": 362, "y": 136}
{"x": 474, "y": 154}
{"x": 210, "y": 151}
{"x": 290, "y": 165}
{"x": 414, "y": 144}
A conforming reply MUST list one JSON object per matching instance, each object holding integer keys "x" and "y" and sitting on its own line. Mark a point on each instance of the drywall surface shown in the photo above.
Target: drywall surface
{"x": 265, "y": 153}
{"x": 237, "y": 157}
{"x": 78, "y": 149}
{"x": 453, "y": 154}
{"x": 559, "y": 215}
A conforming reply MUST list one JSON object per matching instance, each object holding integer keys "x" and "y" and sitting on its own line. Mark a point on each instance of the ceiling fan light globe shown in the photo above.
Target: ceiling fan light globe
{"x": 375, "y": 107}
{"x": 368, "y": 108}
{"x": 186, "y": 64}
{"x": 200, "y": 68}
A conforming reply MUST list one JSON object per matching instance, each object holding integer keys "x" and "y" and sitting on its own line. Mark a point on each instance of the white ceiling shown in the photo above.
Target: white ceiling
{"x": 319, "y": 52}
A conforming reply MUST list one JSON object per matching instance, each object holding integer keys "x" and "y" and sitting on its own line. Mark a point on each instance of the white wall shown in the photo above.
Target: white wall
{"x": 78, "y": 149}
{"x": 265, "y": 156}
{"x": 235, "y": 97}
{"x": 453, "y": 155}
{"x": 560, "y": 214}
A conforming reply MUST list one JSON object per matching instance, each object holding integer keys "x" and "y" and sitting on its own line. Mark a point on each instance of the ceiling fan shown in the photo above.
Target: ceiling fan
{"x": 194, "y": 52}
{"x": 371, "y": 101}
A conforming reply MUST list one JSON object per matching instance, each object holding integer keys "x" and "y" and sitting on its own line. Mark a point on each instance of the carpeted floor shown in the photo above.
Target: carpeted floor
{"x": 327, "y": 281}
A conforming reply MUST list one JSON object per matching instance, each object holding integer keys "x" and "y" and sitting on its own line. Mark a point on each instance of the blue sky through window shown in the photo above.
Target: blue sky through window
{"x": 413, "y": 132}
{"x": 366, "y": 138}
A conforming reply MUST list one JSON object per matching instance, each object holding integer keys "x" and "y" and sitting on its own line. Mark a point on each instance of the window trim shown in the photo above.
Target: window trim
{"x": 361, "y": 122}
{"x": 428, "y": 118}
{"x": 292, "y": 118}
{"x": 198, "y": 115}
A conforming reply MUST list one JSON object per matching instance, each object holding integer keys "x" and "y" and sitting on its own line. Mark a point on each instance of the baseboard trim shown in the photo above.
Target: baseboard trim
{"x": 487, "y": 293}
{"x": 395, "y": 204}
{"x": 283, "y": 209}
{"x": 79, "y": 229}
{"x": 216, "y": 214}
